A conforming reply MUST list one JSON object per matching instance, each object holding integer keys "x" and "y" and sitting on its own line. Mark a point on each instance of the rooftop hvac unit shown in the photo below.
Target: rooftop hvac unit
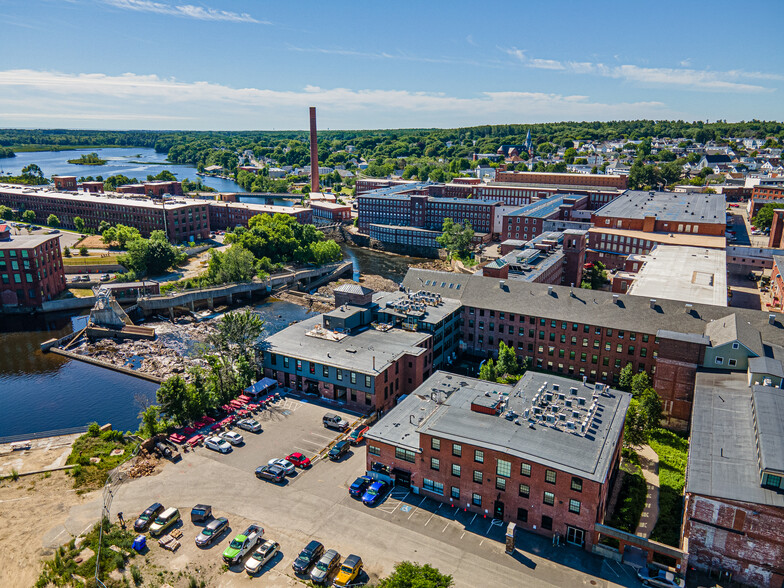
{"x": 575, "y": 414}
{"x": 570, "y": 424}
{"x": 568, "y": 402}
{"x": 562, "y": 417}
{"x": 550, "y": 418}
{"x": 548, "y": 397}
{"x": 556, "y": 387}
{"x": 581, "y": 401}
{"x": 573, "y": 391}
{"x": 561, "y": 396}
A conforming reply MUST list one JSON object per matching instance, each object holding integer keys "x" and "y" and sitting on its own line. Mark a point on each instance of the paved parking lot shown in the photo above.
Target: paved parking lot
{"x": 315, "y": 504}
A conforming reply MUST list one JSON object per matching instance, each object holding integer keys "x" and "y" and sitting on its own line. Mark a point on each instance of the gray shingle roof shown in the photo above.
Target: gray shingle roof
{"x": 768, "y": 407}
{"x": 766, "y": 365}
{"x": 732, "y": 328}
{"x": 354, "y": 289}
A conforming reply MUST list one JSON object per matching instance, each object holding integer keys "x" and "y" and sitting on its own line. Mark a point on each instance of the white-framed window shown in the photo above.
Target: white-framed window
{"x": 719, "y": 361}
{"x": 732, "y": 362}
{"x": 735, "y": 345}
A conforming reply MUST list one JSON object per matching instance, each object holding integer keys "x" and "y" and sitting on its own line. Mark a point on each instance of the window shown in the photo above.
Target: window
{"x": 325, "y": 371}
{"x": 373, "y": 450}
{"x": 353, "y": 377}
{"x": 719, "y": 360}
{"x": 435, "y": 444}
{"x": 500, "y": 484}
{"x": 479, "y": 456}
{"x": 457, "y": 450}
{"x": 577, "y": 484}
{"x": 456, "y": 470}
{"x": 455, "y": 493}
{"x": 367, "y": 381}
{"x": 299, "y": 364}
{"x": 732, "y": 362}
{"x": 434, "y": 487}
{"x": 549, "y": 498}
{"x": 547, "y": 523}
{"x": 339, "y": 373}
{"x": 477, "y": 476}
{"x": 503, "y": 468}
{"x": 476, "y": 499}
{"x": 285, "y": 362}
{"x": 772, "y": 481}
{"x": 312, "y": 368}
{"x": 405, "y": 454}
{"x": 273, "y": 359}
{"x": 574, "y": 506}
{"x": 525, "y": 490}
{"x": 735, "y": 345}
{"x": 549, "y": 476}
{"x": 522, "y": 515}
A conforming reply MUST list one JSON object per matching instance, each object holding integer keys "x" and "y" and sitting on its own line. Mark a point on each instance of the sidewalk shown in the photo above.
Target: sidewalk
{"x": 650, "y": 471}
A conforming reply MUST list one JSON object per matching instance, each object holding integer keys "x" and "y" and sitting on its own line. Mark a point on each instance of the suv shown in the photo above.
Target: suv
{"x": 340, "y": 449}
{"x": 349, "y": 570}
{"x": 333, "y": 421}
{"x": 165, "y": 520}
{"x": 200, "y": 513}
{"x": 147, "y": 517}
{"x": 312, "y": 552}
{"x": 242, "y": 544}
{"x": 325, "y": 566}
{"x": 357, "y": 436}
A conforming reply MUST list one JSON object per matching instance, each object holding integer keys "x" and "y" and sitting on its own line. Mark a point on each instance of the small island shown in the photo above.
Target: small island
{"x": 89, "y": 159}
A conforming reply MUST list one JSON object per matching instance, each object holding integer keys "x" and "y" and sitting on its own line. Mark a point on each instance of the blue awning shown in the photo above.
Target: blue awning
{"x": 260, "y": 387}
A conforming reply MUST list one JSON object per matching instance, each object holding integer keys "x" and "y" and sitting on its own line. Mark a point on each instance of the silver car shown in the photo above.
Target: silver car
{"x": 232, "y": 437}
{"x": 217, "y": 444}
{"x": 325, "y": 566}
{"x": 211, "y": 531}
{"x": 251, "y": 425}
{"x": 261, "y": 557}
{"x": 284, "y": 464}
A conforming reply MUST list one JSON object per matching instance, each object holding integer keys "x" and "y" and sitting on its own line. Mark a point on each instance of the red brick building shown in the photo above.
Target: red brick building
{"x": 31, "y": 270}
{"x": 95, "y": 187}
{"x": 528, "y": 222}
{"x": 330, "y": 212}
{"x": 550, "y": 474}
{"x": 227, "y": 215}
{"x": 155, "y": 189}
{"x": 65, "y": 183}
{"x": 762, "y": 195}
{"x": 603, "y": 180}
{"x": 777, "y": 281}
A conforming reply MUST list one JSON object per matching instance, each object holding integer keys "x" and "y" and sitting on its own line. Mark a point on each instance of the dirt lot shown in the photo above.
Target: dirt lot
{"x": 93, "y": 242}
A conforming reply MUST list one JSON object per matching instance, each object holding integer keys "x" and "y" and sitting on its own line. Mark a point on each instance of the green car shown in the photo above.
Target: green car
{"x": 242, "y": 544}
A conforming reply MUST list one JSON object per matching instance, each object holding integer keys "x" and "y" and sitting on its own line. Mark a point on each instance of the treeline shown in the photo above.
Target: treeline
{"x": 6, "y": 152}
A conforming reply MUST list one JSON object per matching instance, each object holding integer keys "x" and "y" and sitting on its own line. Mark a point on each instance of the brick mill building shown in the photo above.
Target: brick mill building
{"x": 31, "y": 269}
{"x": 227, "y": 215}
{"x": 543, "y": 453}
{"x": 563, "y": 179}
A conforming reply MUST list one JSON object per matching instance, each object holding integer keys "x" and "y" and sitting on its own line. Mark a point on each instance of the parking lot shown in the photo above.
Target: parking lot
{"x": 315, "y": 504}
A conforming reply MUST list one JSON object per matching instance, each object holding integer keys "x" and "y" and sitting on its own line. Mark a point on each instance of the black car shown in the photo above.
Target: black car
{"x": 358, "y": 487}
{"x": 147, "y": 517}
{"x": 340, "y": 449}
{"x": 272, "y": 473}
{"x": 307, "y": 557}
{"x": 211, "y": 531}
{"x": 201, "y": 513}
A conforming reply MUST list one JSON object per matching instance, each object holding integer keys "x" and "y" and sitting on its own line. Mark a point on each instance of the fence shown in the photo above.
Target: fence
{"x": 43, "y": 434}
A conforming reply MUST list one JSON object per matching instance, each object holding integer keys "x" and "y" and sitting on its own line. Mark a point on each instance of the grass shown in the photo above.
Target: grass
{"x": 632, "y": 496}
{"x": 88, "y": 475}
{"x": 673, "y": 453}
{"x": 79, "y": 260}
{"x": 81, "y": 292}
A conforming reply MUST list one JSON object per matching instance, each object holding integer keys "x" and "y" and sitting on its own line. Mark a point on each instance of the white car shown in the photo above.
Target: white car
{"x": 217, "y": 444}
{"x": 261, "y": 556}
{"x": 287, "y": 466}
{"x": 251, "y": 425}
{"x": 232, "y": 437}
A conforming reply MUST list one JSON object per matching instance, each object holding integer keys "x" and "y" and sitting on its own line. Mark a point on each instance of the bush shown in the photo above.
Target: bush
{"x": 93, "y": 430}
{"x": 136, "y": 575}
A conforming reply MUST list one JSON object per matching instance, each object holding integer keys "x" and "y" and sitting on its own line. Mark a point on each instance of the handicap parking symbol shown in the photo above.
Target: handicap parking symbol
{"x": 405, "y": 507}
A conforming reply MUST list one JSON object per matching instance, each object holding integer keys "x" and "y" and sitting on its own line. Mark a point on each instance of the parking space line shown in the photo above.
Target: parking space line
{"x": 434, "y": 514}
{"x": 416, "y": 507}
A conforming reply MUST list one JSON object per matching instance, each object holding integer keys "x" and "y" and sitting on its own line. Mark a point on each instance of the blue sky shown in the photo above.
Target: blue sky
{"x": 237, "y": 65}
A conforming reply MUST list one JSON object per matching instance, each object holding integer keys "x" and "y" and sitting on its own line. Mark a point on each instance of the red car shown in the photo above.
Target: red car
{"x": 358, "y": 435}
{"x": 299, "y": 459}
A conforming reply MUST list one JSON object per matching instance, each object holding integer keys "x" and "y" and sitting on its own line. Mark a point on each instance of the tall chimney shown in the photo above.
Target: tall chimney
{"x": 314, "y": 165}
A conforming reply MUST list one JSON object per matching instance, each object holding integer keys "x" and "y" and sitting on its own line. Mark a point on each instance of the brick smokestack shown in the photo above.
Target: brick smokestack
{"x": 314, "y": 163}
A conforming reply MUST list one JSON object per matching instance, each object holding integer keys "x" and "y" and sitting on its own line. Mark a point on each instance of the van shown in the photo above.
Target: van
{"x": 200, "y": 513}
{"x": 165, "y": 520}
{"x": 333, "y": 421}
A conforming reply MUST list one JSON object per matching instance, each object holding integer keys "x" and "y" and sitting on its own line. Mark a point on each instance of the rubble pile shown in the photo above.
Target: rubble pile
{"x": 143, "y": 465}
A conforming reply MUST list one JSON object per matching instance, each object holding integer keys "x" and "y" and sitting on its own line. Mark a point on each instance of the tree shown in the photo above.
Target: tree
{"x": 67, "y": 252}
{"x": 640, "y": 383}
{"x": 149, "y": 418}
{"x": 33, "y": 170}
{"x": 595, "y": 277}
{"x": 79, "y": 224}
{"x": 414, "y": 575}
{"x": 236, "y": 264}
{"x": 83, "y": 251}
{"x": 121, "y": 235}
{"x": 52, "y": 221}
{"x": 7, "y": 213}
{"x": 634, "y": 429}
{"x": 626, "y": 377}
{"x": 322, "y": 252}
{"x": 650, "y": 409}
{"x": 456, "y": 238}
{"x": 103, "y": 225}
{"x": 149, "y": 257}
{"x": 764, "y": 218}
{"x": 507, "y": 360}
{"x": 28, "y": 216}
{"x": 172, "y": 397}
{"x": 488, "y": 372}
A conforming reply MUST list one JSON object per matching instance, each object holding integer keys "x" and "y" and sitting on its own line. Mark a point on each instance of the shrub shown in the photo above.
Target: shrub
{"x": 136, "y": 575}
{"x": 14, "y": 475}
{"x": 83, "y": 251}
{"x": 93, "y": 430}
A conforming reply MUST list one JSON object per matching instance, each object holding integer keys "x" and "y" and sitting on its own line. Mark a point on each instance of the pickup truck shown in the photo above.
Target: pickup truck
{"x": 243, "y": 544}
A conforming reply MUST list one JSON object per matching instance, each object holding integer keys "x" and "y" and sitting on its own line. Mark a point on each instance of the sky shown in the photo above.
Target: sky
{"x": 257, "y": 65}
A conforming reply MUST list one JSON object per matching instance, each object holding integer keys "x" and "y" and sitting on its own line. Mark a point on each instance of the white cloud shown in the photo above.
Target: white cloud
{"x": 136, "y": 97}
{"x": 184, "y": 10}
{"x": 694, "y": 79}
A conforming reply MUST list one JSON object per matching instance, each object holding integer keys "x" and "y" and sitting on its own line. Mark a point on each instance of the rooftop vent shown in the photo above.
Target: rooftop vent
{"x": 653, "y": 303}
{"x": 502, "y": 284}
{"x": 771, "y": 319}
{"x": 615, "y": 298}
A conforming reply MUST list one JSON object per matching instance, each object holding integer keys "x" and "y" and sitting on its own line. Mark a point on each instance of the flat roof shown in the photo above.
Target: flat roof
{"x": 271, "y": 208}
{"x": 723, "y": 461}
{"x": 540, "y": 208}
{"x": 688, "y": 239}
{"x": 107, "y": 198}
{"x": 433, "y": 314}
{"x": 441, "y": 407}
{"x": 358, "y": 352}
{"x": 667, "y": 206}
{"x": 689, "y": 274}
{"x": 768, "y": 406}
{"x": 26, "y": 241}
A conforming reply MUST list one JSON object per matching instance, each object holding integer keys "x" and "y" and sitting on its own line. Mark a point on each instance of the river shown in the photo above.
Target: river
{"x": 119, "y": 160}
{"x": 368, "y": 261}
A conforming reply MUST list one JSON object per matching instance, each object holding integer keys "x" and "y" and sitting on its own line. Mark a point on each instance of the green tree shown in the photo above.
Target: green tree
{"x": 488, "y": 371}
{"x": 595, "y": 277}
{"x": 634, "y": 430}
{"x": 626, "y": 377}
{"x": 236, "y": 333}
{"x": 67, "y": 252}
{"x": 507, "y": 360}
{"x": 172, "y": 397}
{"x": 650, "y": 409}
{"x": 456, "y": 238}
{"x": 53, "y": 221}
{"x": 78, "y": 224}
{"x": 7, "y": 213}
{"x": 120, "y": 234}
{"x": 640, "y": 383}
{"x": 322, "y": 252}
{"x": 83, "y": 251}
{"x": 101, "y": 227}
{"x": 414, "y": 575}
{"x": 764, "y": 218}
{"x": 236, "y": 264}
{"x": 28, "y": 216}
{"x": 149, "y": 418}
{"x": 33, "y": 170}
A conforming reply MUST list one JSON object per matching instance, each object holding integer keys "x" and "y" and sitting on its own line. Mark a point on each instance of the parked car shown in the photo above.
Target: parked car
{"x": 211, "y": 531}
{"x": 374, "y": 493}
{"x": 357, "y": 436}
{"x": 299, "y": 459}
{"x": 242, "y": 544}
{"x": 307, "y": 557}
{"x": 251, "y": 425}
{"x": 340, "y": 449}
{"x": 271, "y": 473}
{"x": 232, "y": 437}
{"x": 147, "y": 517}
{"x": 105, "y": 277}
{"x": 358, "y": 486}
{"x": 333, "y": 421}
{"x": 284, "y": 464}
{"x": 201, "y": 513}
{"x": 164, "y": 521}
{"x": 325, "y": 567}
{"x": 217, "y": 444}
{"x": 349, "y": 570}
{"x": 659, "y": 578}
{"x": 261, "y": 557}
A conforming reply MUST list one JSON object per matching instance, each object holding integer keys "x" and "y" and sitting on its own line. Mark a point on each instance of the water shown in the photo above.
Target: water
{"x": 119, "y": 161}
{"x": 43, "y": 392}
{"x": 367, "y": 261}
